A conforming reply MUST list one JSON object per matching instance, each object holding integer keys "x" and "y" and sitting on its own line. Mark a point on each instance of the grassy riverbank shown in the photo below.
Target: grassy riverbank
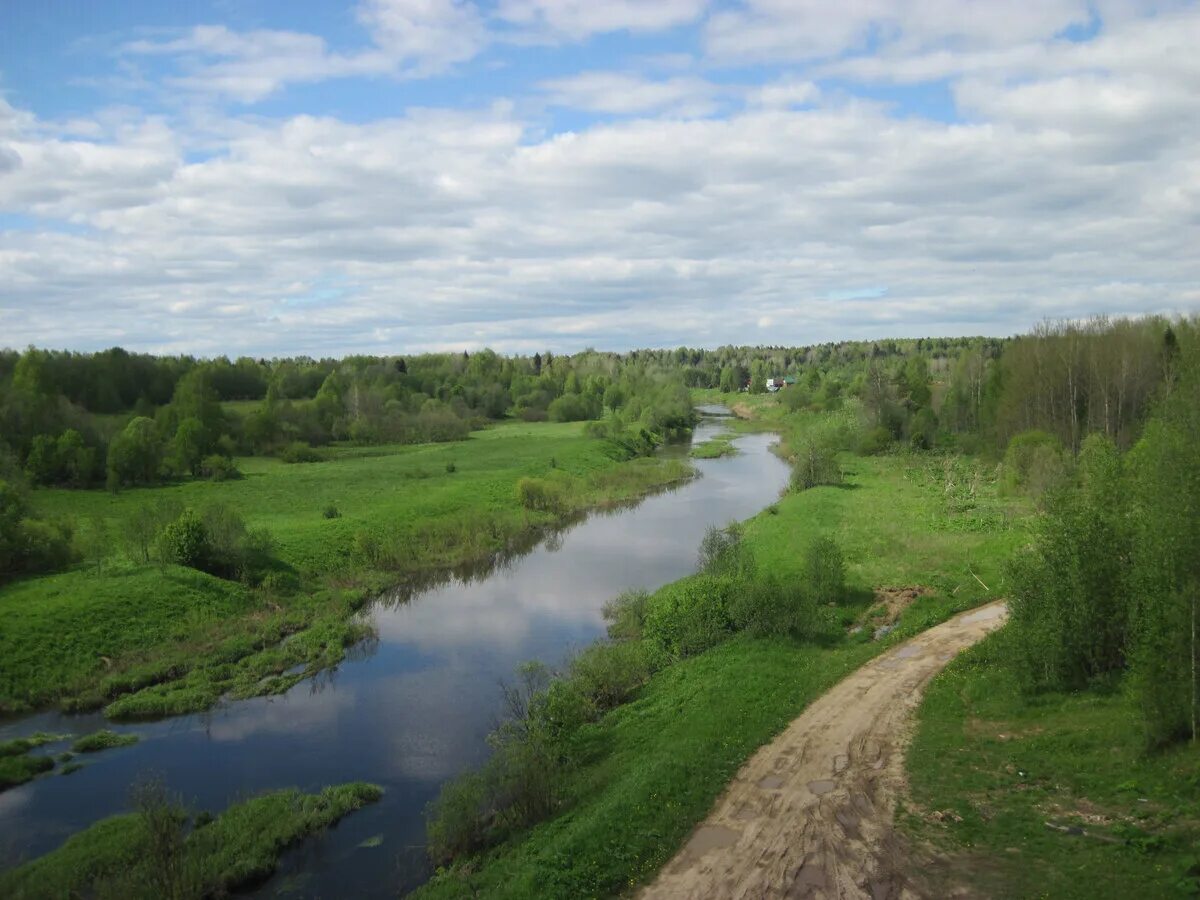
{"x": 650, "y": 769}
{"x": 1054, "y": 797}
{"x": 162, "y": 851}
{"x": 150, "y": 639}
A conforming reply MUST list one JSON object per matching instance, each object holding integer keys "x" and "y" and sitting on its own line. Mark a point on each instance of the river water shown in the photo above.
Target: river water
{"x": 408, "y": 710}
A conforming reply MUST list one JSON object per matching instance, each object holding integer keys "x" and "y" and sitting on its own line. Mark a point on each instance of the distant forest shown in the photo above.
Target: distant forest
{"x": 81, "y": 419}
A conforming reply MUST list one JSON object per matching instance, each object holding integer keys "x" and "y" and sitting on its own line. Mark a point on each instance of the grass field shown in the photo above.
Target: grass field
{"x": 96, "y": 634}
{"x": 990, "y": 768}
{"x": 653, "y": 767}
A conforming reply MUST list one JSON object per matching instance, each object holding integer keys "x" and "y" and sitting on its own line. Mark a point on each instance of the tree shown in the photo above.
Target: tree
{"x": 190, "y": 445}
{"x": 41, "y": 465}
{"x": 135, "y": 455}
{"x": 76, "y": 460}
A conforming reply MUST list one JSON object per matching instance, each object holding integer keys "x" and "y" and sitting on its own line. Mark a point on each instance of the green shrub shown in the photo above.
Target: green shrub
{"x": 572, "y": 408}
{"x": 184, "y": 542}
{"x": 331, "y": 512}
{"x": 769, "y": 606}
{"x": 874, "y": 441}
{"x": 722, "y": 552}
{"x": 44, "y": 546}
{"x": 690, "y": 616}
{"x": 219, "y": 468}
{"x": 456, "y": 822}
{"x": 815, "y": 462}
{"x": 607, "y": 674}
{"x": 1035, "y": 462}
{"x": 626, "y": 615}
{"x": 300, "y": 452}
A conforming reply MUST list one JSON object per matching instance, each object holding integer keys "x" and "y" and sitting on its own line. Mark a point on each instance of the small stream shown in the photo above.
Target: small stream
{"x": 408, "y": 710}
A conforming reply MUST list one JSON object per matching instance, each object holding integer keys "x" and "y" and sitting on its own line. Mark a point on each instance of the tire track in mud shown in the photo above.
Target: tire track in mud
{"x": 810, "y": 815}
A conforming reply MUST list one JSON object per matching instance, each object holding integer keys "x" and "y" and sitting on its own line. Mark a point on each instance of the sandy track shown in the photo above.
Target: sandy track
{"x": 810, "y": 815}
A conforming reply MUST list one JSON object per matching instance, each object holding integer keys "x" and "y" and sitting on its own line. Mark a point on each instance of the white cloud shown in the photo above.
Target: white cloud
{"x": 410, "y": 39}
{"x": 617, "y": 92}
{"x": 578, "y": 19}
{"x": 785, "y": 92}
{"x": 759, "y": 30}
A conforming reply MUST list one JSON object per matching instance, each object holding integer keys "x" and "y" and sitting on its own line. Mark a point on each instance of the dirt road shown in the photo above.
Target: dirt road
{"x": 810, "y": 815}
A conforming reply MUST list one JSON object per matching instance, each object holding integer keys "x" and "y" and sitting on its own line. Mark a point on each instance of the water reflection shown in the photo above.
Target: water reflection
{"x": 410, "y": 708}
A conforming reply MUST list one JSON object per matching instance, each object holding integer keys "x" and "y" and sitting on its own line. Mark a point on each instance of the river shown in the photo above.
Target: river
{"x": 406, "y": 711}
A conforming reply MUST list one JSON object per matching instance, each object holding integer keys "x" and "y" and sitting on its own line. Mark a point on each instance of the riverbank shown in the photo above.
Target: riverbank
{"x": 651, "y": 769}
{"x": 149, "y": 639}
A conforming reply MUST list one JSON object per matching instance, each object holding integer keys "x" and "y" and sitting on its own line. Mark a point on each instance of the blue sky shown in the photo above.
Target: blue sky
{"x": 402, "y": 175}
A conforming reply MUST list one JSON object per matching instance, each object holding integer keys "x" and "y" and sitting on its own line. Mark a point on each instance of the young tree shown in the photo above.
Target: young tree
{"x": 135, "y": 455}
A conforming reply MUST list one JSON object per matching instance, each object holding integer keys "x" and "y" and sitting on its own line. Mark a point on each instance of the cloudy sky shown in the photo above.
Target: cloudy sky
{"x": 304, "y": 176}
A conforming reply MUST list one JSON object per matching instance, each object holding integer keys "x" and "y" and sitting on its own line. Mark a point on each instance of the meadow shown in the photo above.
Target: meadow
{"x": 146, "y": 639}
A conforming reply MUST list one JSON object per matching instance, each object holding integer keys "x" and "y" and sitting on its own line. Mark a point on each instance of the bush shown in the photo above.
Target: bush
{"x": 722, "y": 552}
{"x": 769, "y": 606}
{"x": 44, "y": 546}
{"x": 874, "y": 441}
{"x": 219, "y": 468}
{"x": 184, "y": 542}
{"x": 691, "y": 615}
{"x": 451, "y": 468}
{"x": 300, "y": 452}
{"x": 607, "y": 674}
{"x": 626, "y": 615}
{"x": 216, "y": 542}
{"x": 456, "y": 822}
{"x": 816, "y": 463}
{"x": 1034, "y": 462}
{"x": 331, "y": 512}
{"x": 572, "y": 408}
{"x": 233, "y": 550}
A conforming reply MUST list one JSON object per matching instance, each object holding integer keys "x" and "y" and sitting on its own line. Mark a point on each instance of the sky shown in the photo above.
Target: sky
{"x": 395, "y": 176}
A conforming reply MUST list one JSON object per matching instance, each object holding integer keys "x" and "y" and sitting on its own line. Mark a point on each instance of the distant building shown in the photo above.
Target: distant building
{"x": 775, "y": 384}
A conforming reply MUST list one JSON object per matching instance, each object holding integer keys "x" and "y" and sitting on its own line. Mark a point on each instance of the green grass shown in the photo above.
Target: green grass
{"x": 102, "y": 740}
{"x": 721, "y": 445}
{"x": 652, "y": 768}
{"x": 18, "y": 765}
{"x": 16, "y": 770}
{"x": 150, "y": 640}
{"x": 114, "y": 857}
{"x": 989, "y": 767}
